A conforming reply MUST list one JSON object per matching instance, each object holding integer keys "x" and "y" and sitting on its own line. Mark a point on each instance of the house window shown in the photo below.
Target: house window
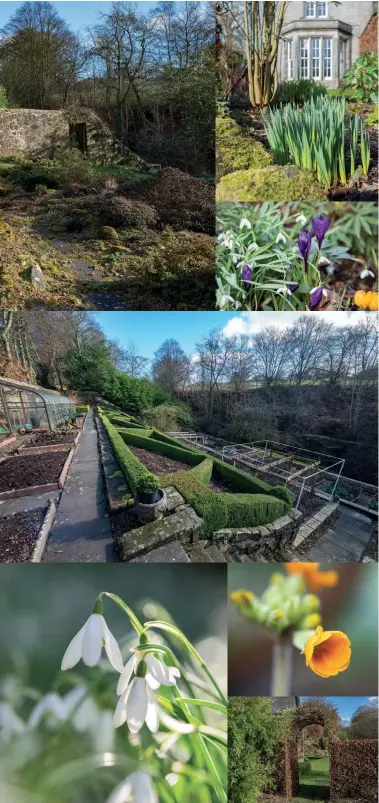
{"x": 316, "y": 58}
{"x": 289, "y": 59}
{"x": 343, "y": 50}
{"x": 312, "y": 10}
{"x": 327, "y": 59}
{"x": 304, "y": 58}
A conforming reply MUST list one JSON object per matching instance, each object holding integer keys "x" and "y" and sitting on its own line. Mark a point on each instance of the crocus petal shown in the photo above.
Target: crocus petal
{"x": 152, "y": 716}
{"x": 92, "y": 643}
{"x": 320, "y": 226}
{"x": 126, "y": 675}
{"x": 122, "y": 793}
{"x": 73, "y": 653}
{"x": 304, "y": 243}
{"x": 136, "y": 705}
{"x": 143, "y": 790}
{"x": 159, "y": 672}
{"x": 119, "y": 716}
{"x": 315, "y": 296}
{"x": 246, "y": 276}
{"x": 112, "y": 649}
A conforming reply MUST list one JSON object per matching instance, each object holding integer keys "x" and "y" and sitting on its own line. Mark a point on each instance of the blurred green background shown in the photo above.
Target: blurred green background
{"x": 43, "y": 606}
{"x": 352, "y": 607}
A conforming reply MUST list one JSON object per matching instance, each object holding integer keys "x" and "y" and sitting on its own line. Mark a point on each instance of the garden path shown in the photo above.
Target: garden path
{"x": 346, "y": 539}
{"x": 82, "y": 531}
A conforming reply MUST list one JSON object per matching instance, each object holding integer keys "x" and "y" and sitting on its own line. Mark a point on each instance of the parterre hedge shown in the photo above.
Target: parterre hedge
{"x": 259, "y": 504}
{"x": 80, "y": 409}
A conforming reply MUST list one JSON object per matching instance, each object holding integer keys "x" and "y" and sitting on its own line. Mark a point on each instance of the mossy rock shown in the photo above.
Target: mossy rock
{"x": 235, "y": 151}
{"x": 5, "y": 230}
{"x": 276, "y": 183}
{"x": 107, "y": 233}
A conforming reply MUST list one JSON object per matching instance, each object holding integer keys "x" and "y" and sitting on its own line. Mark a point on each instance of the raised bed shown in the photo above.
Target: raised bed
{"x": 49, "y": 442}
{"x": 26, "y": 475}
{"x": 19, "y": 535}
{"x": 158, "y": 464}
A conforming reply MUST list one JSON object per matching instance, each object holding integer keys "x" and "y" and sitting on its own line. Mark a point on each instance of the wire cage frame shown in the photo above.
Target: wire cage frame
{"x": 24, "y": 406}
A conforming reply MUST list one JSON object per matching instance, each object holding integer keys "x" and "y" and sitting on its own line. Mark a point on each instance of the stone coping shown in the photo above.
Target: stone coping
{"x": 183, "y": 526}
{"x": 315, "y": 523}
{"x": 118, "y": 492}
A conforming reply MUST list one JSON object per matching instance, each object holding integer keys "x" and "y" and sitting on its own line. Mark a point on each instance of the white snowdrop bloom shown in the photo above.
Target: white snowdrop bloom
{"x": 137, "y": 703}
{"x": 50, "y": 708}
{"x": 283, "y": 291}
{"x": 236, "y": 257}
{"x": 301, "y": 219}
{"x": 10, "y": 722}
{"x": 281, "y": 238}
{"x": 245, "y": 223}
{"x": 104, "y": 735}
{"x": 136, "y": 788}
{"x": 88, "y": 644}
{"x": 365, "y": 273}
{"x": 253, "y": 247}
{"x": 224, "y": 300}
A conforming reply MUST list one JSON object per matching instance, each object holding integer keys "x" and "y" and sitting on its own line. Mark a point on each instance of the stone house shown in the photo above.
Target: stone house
{"x": 322, "y": 40}
{"x": 40, "y": 133}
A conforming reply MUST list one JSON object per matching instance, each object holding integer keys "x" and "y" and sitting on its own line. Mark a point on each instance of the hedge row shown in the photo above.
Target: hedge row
{"x": 80, "y": 409}
{"x": 131, "y": 467}
{"x": 146, "y": 439}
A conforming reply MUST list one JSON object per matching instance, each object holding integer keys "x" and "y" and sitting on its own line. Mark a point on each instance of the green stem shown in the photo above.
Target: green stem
{"x": 121, "y": 604}
{"x": 282, "y": 669}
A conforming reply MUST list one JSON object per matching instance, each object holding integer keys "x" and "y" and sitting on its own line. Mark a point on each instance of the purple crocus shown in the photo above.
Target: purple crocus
{"x": 293, "y": 287}
{"x": 246, "y": 276}
{"x": 320, "y": 226}
{"x": 315, "y": 296}
{"x": 305, "y": 242}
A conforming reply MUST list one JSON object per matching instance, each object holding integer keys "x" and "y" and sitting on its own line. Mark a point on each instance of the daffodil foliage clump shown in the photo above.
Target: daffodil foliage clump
{"x": 145, "y": 722}
{"x": 290, "y": 610}
{"x": 284, "y": 257}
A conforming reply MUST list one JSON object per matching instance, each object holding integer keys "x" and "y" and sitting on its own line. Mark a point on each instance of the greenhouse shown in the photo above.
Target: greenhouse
{"x": 24, "y": 406}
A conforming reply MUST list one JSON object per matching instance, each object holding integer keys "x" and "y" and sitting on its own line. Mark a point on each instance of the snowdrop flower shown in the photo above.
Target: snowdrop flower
{"x": 236, "y": 257}
{"x": 245, "y": 223}
{"x": 10, "y": 722}
{"x": 253, "y": 247}
{"x": 284, "y": 291}
{"x": 137, "y": 703}
{"x": 225, "y": 239}
{"x": 50, "y": 707}
{"x": 365, "y": 273}
{"x": 88, "y": 643}
{"x": 301, "y": 219}
{"x": 281, "y": 238}
{"x": 136, "y": 788}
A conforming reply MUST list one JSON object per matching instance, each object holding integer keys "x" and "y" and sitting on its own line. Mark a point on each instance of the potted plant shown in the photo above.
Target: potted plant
{"x": 148, "y": 489}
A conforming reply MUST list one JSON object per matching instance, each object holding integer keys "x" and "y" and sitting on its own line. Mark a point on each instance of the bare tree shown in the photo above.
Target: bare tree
{"x": 171, "y": 367}
{"x": 271, "y": 349}
{"x": 215, "y": 352}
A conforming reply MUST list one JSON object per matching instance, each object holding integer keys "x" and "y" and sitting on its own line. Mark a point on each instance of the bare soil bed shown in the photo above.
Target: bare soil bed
{"x": 18, "y": 535}
{"x": 222, "y": 487}
{"x": 51, "y": 438}
{"x": 124, "y": 521}
{"x": 29, "y": 470}
{"x": 157, "y": 463}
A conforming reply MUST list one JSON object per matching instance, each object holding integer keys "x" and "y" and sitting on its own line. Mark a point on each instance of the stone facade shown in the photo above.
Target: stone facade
{"x": 322, "y": 40}
{"x": 40, "y": 133}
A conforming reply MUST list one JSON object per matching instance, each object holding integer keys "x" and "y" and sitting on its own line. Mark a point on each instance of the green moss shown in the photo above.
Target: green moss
{"x": 276, "y": 183}
{"x": 373, "y": 117}
{"x": 182, "y": 265}
{"x": 5, "y": 230}
{"x": 107, "y": 233}
{"x": 235, "y": 151}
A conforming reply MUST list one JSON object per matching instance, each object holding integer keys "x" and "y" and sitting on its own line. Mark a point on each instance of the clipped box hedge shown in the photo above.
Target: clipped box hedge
{"x": 144, "y": 440}
{"x": 80, "y": 409}
{"x": 131, "y": 467}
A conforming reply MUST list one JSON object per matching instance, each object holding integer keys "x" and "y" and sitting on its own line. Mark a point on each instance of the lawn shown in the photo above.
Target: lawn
{"x": 314, "y": 782}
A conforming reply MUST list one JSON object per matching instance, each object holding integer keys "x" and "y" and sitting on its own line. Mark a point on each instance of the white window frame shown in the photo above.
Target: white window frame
{"x": 307, "y": 41}
{"x": 315, "y": 10}
{"x": 342, "y": 57}
{"x": 290, "y": 64}
{"x": 315, "y": 58}
{"x": 330, "y": 58}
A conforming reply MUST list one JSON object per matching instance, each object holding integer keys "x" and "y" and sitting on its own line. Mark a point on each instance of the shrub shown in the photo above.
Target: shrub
{"x": 68, "y": 167}
{"x": 119, "y": 211}
{"x": 254, "y": 734}
{"x": 362, "y": 78}
{"x": 82, "y": 408}
{"x": 373, "y": 117}
{"x": 143, "y": 439}
{"x": 107, "y": 233}
{"x": 181, "y": 268}
{"x": 130, "y": 466}
{"x": 289, "y": 183}
{"x": 148, "y": 483}
{"x": 252, "y": 509}
{"x": 183, "y": 202}
{"x": 281, "y": 492}
{"x": 300, "y": 91}
{"x": 234, "y": 151}
{"x": 169, "y": 416}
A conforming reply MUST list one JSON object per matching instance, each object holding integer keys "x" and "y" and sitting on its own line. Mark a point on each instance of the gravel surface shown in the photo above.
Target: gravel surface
{"x": 28, "y": 470}
{"x": 157, "y": 463}
{"x": 18, "y": 535}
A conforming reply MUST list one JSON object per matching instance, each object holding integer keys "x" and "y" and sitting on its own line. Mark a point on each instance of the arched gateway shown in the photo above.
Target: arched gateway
{"x": 353, "y": 763}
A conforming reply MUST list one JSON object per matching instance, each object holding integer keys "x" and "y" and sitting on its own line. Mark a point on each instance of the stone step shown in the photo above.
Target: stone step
{"x": 183, "y": 527}
{"x": 199, "y": 555}
{"x": 215, "y": 554}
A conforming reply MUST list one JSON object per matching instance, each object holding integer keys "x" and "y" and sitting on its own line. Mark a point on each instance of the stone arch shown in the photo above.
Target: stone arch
{"x": 313, "y": 712}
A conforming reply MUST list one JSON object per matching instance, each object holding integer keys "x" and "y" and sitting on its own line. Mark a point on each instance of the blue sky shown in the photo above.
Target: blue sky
{"x": 149, "y": 329}
{"x": 77, "y": 13}
{"x": 346, "y": 705}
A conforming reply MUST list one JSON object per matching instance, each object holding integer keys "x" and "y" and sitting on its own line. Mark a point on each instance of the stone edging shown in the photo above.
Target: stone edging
{"x": 53, "y": 447}
{"x": 317, "y": 522}
{"x": 250, "y": 543}
{"x": 118, "y": 496}
{"x": 44, "y": 533}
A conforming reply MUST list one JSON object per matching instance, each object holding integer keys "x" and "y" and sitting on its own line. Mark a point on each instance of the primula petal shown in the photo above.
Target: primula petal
{"x": 93, "y": 640}
{"x": 136, "y": 705}
{"x": 143, "y": 790}
{"x": 122, "y": 793}
{"x": 112, "y": 649}
{"x": 126, "y": 675}
{"x": 152, "y": 716}
{"x": 73, "y": 653}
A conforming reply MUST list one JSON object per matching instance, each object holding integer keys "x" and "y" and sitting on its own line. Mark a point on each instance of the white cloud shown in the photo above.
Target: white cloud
{"x": 249, "y": 323}
{"x": 373, "y": 699}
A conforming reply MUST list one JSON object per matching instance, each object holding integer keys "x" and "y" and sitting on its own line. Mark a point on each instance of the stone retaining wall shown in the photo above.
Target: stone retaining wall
{"x": 251, "y": 543}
